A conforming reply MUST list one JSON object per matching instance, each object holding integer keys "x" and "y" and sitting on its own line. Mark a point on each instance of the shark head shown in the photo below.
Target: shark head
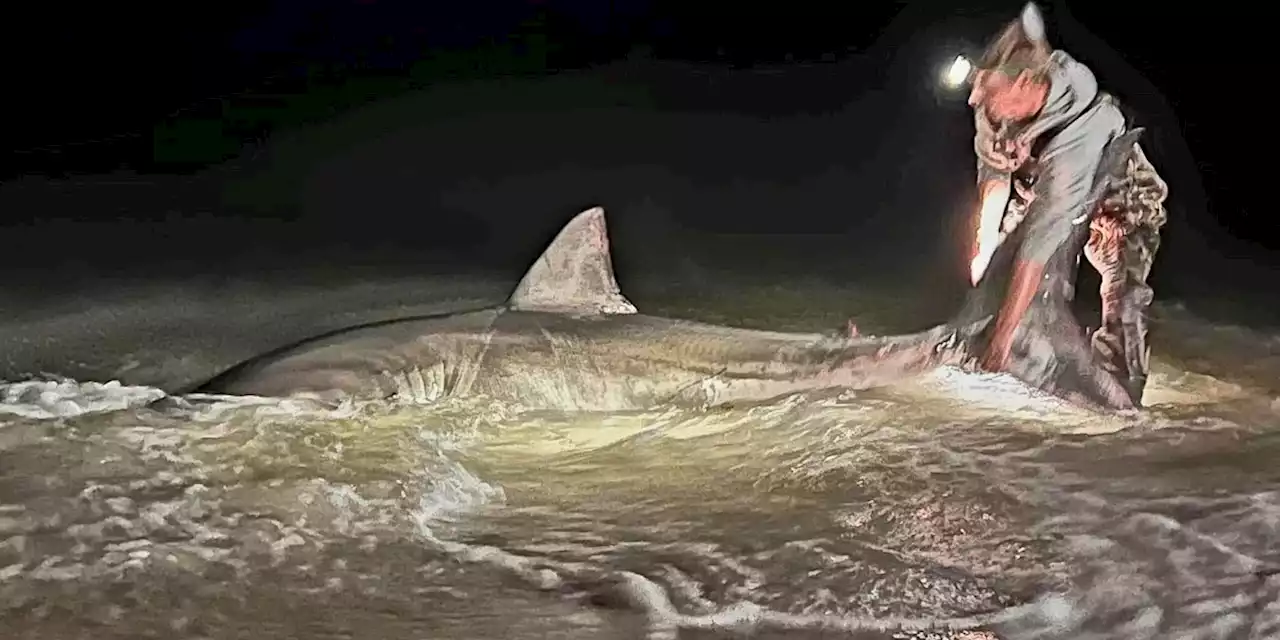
{"x": 574, "y": 275}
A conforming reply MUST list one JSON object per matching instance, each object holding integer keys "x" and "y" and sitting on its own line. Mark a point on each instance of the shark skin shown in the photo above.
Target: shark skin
{"x": 567, "y": 339}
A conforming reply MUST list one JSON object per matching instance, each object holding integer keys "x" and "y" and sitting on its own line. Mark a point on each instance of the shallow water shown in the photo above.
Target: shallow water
{"x": 958, "y": 505}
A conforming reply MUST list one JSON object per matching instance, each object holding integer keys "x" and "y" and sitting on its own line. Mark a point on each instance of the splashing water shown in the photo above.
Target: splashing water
{"x": 961, "y": 506}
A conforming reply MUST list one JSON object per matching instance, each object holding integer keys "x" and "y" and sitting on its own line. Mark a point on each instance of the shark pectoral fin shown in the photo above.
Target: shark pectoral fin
{"x": 574, "y": 275}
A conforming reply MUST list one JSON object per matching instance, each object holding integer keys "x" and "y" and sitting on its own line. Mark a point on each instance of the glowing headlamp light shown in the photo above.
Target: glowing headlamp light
{"x": 957, "y": 74}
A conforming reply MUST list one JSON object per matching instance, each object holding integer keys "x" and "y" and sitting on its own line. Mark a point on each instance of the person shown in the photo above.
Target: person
{"x": 1057, "y": 161}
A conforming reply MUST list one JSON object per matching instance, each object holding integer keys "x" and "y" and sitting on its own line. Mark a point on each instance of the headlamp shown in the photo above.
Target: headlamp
{"x": 958, "y": 73}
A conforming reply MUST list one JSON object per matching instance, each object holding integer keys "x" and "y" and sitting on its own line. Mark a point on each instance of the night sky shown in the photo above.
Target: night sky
{"x": 110, "y": 89}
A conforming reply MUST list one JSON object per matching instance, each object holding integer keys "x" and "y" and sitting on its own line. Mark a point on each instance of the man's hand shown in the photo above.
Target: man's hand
{"x": 1005, "y": 155}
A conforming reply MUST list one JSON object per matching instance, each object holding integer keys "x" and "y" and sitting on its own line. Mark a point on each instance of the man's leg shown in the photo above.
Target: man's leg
{"x": 1125, "y": 236}
{"x": 1105, "y": 251}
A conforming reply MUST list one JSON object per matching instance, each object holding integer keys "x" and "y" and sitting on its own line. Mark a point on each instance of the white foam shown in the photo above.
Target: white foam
{"x": 651, "y": 599}
{"x": 997, "y": 392}
{"x": 453, "y": 491}
{"x": 215, "y": 407}
{"x": 48, "y": 399}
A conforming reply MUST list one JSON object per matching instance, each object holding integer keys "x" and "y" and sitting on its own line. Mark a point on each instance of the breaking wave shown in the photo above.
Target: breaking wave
{"x": 962, "y": 504}
{"x": 61, "y": 398}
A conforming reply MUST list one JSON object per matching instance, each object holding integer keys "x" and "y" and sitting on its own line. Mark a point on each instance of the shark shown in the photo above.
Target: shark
{"x": 568, "y": 339}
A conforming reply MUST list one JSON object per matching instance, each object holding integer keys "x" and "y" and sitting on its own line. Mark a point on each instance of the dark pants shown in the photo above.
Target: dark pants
{"x": 1124, "y": 238}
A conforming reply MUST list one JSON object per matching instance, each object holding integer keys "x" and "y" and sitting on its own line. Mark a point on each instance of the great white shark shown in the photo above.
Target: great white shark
{"x": 568, "y": 339}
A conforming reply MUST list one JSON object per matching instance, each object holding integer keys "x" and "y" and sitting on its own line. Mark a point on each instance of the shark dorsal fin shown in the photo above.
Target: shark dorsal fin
{"x": 574, "y": 275}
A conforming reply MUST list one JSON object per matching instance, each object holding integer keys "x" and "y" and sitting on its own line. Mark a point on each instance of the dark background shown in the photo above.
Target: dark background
{"x": 131, "y": 130}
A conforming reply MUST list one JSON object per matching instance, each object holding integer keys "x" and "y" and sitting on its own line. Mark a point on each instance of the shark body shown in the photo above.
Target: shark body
{"x": 567, "y": 339}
